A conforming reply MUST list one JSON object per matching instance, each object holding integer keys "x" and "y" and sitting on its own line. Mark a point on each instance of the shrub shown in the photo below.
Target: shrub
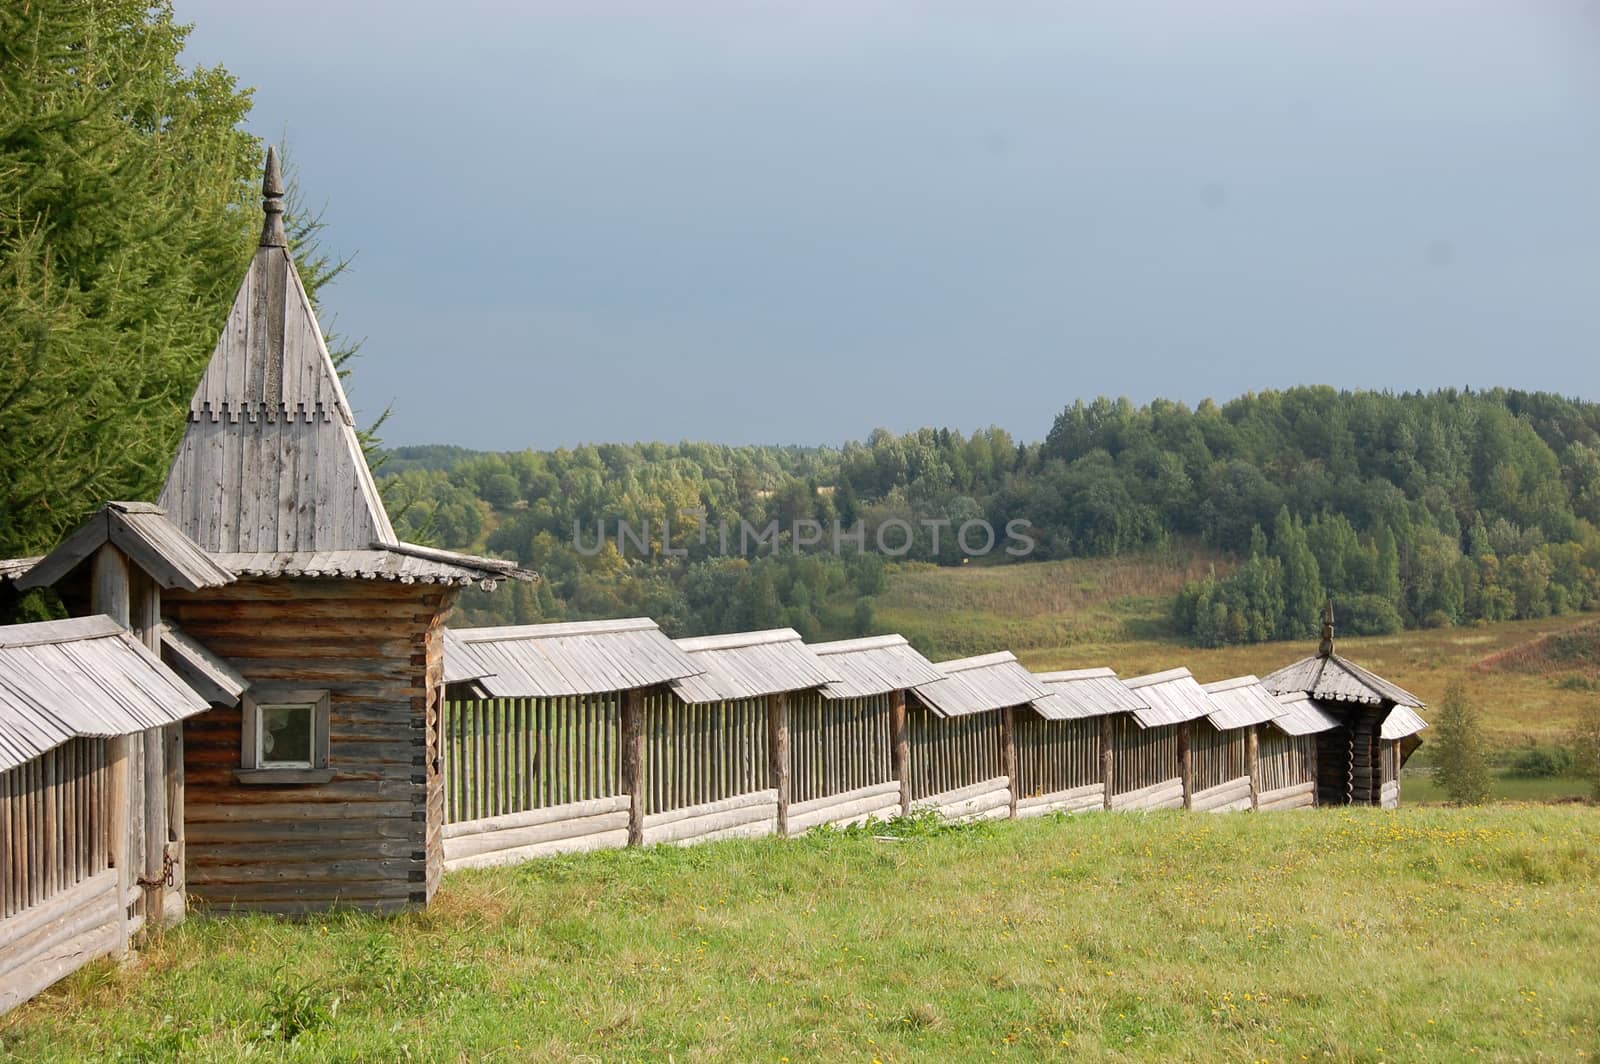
{"x": 1370, "y": 615}
{"x": 1459, "y": 749}
{"x": 1541, "y": 762}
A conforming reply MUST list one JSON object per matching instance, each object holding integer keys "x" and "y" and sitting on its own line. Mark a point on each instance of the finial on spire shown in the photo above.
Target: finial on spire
{"x": 1326, "y": 649}
{"x": 272, "y": 232}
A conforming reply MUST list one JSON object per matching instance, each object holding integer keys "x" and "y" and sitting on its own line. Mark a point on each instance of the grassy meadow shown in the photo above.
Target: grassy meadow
{"x": 1353, "y": 935}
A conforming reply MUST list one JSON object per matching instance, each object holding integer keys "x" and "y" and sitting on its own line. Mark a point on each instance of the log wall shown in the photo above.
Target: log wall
{"x": 372, "y": 836}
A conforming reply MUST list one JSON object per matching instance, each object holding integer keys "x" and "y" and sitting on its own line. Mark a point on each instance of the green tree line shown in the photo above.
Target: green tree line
{"x": 1410, "y": 509}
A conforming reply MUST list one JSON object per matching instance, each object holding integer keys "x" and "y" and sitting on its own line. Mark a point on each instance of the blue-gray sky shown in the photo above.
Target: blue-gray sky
{"x": 792, "y": 222}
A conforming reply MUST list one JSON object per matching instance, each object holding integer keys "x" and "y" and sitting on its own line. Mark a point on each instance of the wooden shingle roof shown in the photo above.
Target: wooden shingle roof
{"x": 1302, "y": 716}
{"x": 982, "y": 684}
{"x": 210, "y": 676}
{"x": 271, "y": 460}
{"x": 86, "y": 677}
{"x": 1091, "y": 693}
{"x": 142, "y": 532}
{"x": 1332, "y": 678}
{"x": 1241, "y": 702}
{"x": 874, "y": 665}
{"x": 750, "y": 665}
{"x": 1401, "y": 722}
{"x": 1174, "y": 696}
{"x": 573, "y": 658}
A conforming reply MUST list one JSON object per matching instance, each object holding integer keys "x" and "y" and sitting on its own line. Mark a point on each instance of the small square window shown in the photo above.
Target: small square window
{"x": 286, "y": 735}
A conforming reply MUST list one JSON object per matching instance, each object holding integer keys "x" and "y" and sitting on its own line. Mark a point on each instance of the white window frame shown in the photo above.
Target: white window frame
{"x": 255, "y": 700}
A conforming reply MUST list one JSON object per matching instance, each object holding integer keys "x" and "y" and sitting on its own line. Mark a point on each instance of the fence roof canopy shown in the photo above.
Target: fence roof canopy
{"x": 141, "y": 531}
{"x": 1082, "y": 693}
{"x": 983, "y": 684}
{"x": 1174, "y": 697}
{"x": 210, "y": 676}
{"x": 1302, "y": 715}
{"x": 750, "y": 665}
{"x": 1241, "y": 702}
{"x": 572, "y": 658}
{"x": 1401, "y": 722}
{"x": 81, "y": 678}
{"x": 875, "y": 665}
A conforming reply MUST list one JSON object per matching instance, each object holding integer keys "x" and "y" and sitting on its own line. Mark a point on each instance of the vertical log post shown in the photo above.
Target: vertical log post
{"x": 144, "y": 598}
{"x": 900, "y": 742}
{"x": 633, "y": 762}
{"x": 1252, "y": 755}
{"x": 1316, "y": 773}
{"x": 108, "y": 595}
{"x": 1106, "y": 761}
{"x": 1186, "y": 761}
{"x": 778, "y": 755}
{"x": 1008, "y": 754}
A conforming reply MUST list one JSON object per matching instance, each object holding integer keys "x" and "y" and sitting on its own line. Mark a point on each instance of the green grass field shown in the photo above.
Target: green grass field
{"x": 1426, "y": 934}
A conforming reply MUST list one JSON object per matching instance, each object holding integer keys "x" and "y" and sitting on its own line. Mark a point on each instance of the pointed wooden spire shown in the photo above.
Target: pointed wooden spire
{"x": 1326, "y": 649}
{"x": 272, "y": 232}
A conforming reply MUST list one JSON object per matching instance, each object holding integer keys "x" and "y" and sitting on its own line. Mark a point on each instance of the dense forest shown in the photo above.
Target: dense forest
{"x": 1414, "y": 509}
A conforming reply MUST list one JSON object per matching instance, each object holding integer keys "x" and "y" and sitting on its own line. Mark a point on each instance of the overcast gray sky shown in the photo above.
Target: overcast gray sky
{"x": 792, "y": 222}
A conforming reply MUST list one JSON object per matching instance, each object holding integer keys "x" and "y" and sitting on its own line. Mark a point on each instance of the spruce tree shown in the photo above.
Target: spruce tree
{"x": 1460, "y": 753}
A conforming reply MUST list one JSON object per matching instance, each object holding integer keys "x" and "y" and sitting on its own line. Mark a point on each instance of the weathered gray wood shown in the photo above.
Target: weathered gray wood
{"x": 778, "y": 755}
{"x": 518, "y": 838}
{"x": 1253, "y": 764}
{"x": 602, "y": 840}
{"x": 1186, "y": 761}
{"x": 902, "y": 748}
{"x": 1008, "y": 755}
{"x": 633, "y": 781}
{"x": 1078, "y": 799}
{"x": 849, "y": 807}
{"x": 1107, "y": 759}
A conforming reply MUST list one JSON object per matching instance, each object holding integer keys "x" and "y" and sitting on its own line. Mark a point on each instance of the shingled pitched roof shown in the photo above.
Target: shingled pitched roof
{"x": 271, "y": 460}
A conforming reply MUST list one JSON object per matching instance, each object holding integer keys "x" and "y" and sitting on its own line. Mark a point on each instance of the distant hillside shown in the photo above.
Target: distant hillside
{"x": 1575, "y": 651}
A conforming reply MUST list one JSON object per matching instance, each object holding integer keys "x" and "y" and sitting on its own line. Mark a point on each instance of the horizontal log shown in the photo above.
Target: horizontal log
{"x": 979, "y": 806}
{"x": 1075, "y": 800}
{"x": 689, "y": 812}
{"x": 752, "y": 830}
{"x": 1237, "y": 805}
{"x": 830, "y": 800}
{"x": 961, "y": 794}
{"x": 269, "y": 851}
{"x": 348, "y": 871}
{"x": 260, "y": 894}
{"x": 601, "y": 840}
{"x": 199, "y": 810}
{"x": 24, "y": 934}
{"x": 535, "y": 817}
{"x": 1222, "y": 794}
{"x": 869, "y": 801}
{"x": 1168, "y": 794}
{"x": 517, "y": 838}
{"x": 59, "y": 960}
{"x": 763, "y": 815}
{"x": 318, "y": 906}
{"x": 1294, "y": 796}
